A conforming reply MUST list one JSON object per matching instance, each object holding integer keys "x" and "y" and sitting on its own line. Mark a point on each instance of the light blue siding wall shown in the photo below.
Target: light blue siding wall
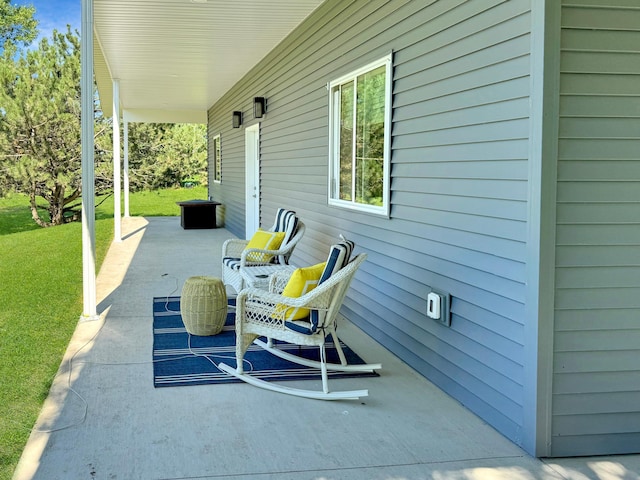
{"x": 459, "y": 184}
{"x": 596, "y": 401}
{"x": 230, "y": 191}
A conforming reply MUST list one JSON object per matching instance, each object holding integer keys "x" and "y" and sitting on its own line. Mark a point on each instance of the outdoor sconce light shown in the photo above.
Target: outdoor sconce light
{"x": 236, "y": 119}
{"x": 259, "y": 106}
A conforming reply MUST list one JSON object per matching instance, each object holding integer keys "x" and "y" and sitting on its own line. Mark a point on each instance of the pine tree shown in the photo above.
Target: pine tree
{"x": 17, "y": 24}
{"x": 40, "y": 126}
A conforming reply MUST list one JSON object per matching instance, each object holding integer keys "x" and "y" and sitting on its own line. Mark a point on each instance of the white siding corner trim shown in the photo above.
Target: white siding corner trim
{"x": 538, "y": 372}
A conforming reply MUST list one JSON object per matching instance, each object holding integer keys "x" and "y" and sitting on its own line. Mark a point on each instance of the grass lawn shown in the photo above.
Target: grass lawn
{"x": 41, "y": 302}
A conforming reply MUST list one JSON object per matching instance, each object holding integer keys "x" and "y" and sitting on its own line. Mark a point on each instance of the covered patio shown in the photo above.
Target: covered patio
{"x": 104, "y": 418}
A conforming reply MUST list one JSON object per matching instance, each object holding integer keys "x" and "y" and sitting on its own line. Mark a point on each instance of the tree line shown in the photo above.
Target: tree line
{"x": 40, "y": 151}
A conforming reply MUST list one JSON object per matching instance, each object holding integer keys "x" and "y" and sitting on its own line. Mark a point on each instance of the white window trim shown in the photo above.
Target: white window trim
{"x": 334, "y": 133}
{"x": 215, "y": 160}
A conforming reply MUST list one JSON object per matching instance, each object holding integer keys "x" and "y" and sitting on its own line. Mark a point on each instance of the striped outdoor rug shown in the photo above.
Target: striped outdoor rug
{"x": 181, "y": 359}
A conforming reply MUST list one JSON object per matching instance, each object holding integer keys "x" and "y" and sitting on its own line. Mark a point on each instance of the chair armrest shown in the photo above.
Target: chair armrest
{"x": 248, "y": 256}
{"x": 279, "y": 280}
{"x": 257, "y": 302}
{"x": 234, "y": 247}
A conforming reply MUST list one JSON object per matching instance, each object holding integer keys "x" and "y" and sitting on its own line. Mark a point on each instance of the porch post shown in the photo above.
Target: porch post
{"x": 117, "y": 186}
{"x": 126, "y": 167}
{"x": 89, "y": 311}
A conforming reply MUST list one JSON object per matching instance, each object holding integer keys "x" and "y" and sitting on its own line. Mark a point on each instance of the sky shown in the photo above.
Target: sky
{"x": 54, "y": 14}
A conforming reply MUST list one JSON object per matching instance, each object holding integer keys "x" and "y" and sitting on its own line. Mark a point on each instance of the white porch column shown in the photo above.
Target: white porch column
{"x": 117, "y": 186}
{"x": 88, "y": 174}
{"x": 126, "y": 168}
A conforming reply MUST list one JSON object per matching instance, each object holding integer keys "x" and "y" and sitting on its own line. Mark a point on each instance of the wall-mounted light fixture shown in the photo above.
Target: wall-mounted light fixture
{"x": 236, "y": 119}
{"x": 259, "y": 106}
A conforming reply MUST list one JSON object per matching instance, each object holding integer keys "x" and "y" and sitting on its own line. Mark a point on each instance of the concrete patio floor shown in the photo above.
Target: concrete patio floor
{"x": 104, "y": 419}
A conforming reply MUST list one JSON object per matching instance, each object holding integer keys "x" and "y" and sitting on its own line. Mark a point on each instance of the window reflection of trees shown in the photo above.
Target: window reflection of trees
{"x": 365, "y": 145}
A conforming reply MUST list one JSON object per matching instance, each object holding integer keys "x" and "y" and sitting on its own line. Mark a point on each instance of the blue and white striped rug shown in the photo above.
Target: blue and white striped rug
{"x": 181, "y": 359}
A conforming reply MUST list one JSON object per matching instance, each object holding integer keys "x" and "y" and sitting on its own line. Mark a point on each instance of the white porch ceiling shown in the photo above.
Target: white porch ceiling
{"x": 176, "y": 58}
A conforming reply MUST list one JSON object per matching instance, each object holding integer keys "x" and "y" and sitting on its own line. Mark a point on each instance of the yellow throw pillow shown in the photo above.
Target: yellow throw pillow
{"x": 264, "y": 240}
{"x": 302, "y": 281}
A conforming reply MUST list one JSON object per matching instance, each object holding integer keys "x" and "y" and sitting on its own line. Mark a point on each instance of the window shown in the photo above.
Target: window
{"x": 217, "y": 159}
{"x": 359, "y": 138}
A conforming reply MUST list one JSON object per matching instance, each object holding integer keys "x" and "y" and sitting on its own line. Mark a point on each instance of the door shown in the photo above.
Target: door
{"x": 252, "y": 179}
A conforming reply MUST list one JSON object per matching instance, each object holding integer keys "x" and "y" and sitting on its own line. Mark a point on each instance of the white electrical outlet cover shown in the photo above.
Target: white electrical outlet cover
{"x": 433, "y": 305}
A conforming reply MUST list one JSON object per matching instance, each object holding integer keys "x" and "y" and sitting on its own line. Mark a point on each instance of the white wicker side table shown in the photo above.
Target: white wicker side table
{"x": 258, "y": 277}
{"x": 203, "y": 305}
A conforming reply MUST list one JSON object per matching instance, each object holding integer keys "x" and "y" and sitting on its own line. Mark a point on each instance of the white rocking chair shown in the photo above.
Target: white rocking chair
{"x": 236, "y": 257}
{"x": 261, "y": 313}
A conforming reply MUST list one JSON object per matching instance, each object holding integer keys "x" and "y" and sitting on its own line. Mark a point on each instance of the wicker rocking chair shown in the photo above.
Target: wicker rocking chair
{"x": 236, "y": 257}
{"x": 263, "y": 313}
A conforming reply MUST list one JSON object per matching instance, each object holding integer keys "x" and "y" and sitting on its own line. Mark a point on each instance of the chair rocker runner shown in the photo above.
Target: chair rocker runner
{"x": 237, "y": 255}
{"x": 264, "y": 313}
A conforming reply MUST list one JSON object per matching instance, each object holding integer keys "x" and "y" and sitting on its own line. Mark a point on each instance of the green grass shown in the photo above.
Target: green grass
{"x": 152, "y": 203}
{"x": 41, "y": 302}
{"x": 161, "y": 203}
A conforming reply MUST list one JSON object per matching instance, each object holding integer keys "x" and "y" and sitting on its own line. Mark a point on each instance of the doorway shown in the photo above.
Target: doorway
{"x": 252, "y": 179}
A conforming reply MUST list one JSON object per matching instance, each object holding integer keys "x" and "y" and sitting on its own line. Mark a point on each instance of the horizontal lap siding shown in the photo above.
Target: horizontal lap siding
{"x": 596, "y": 401}
{"x": 458, "y": 180}
{"x": 230, "y": 191}
{"x": 459, "y": 189}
